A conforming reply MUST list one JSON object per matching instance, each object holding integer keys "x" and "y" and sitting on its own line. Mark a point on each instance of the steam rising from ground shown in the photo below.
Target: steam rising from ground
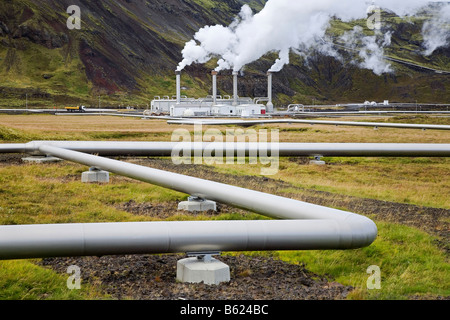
{"x": 369, "y": 48}
{"x": 436, "y": 32}
{"x": 300, "y": 26}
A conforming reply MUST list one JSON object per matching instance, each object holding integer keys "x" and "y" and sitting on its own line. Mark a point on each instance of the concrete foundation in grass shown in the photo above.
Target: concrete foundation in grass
{"x": 317, "y": 161}
{"x": 195, "y": 204}
{"x": 41, "y": 159}
{"x": 95, "y": 175}
{"x": 195, "y": 270}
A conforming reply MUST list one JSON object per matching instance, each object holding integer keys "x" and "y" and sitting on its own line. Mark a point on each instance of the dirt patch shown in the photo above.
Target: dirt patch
{"x": 158, "y": 210}
{"x": 11, "y": 159}
{"x": 168, "y": 209}
{"x": 153, "y": 277}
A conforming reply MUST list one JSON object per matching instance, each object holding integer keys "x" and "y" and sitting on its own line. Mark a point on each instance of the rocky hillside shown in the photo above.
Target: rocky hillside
{"x": 127, "y": 50}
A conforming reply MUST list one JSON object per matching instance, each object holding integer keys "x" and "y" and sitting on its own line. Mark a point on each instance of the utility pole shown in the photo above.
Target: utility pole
{"x": 99, "y": 102}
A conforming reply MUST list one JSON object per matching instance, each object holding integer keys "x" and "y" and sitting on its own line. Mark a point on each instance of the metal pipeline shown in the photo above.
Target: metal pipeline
{"x": 118, "y": 148}
{"x": 312, "y": 122}
{"x": 309, "y": 227}
{"x": 13, "y": 148}
{"x": 161, "y": 148}
{"x": 98, "y": 239}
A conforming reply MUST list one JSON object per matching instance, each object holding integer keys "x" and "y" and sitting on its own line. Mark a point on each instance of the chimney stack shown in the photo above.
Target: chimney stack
{"x": 178, "y": 74}
{"x": 214, "y": 83}
{"x": 235, "y": 88}
{"x": 269, "y": 106}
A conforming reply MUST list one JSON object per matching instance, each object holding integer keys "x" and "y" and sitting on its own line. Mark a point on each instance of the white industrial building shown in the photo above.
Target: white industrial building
{"x": 214, "y": 105}
{"x": 199, "y": 110}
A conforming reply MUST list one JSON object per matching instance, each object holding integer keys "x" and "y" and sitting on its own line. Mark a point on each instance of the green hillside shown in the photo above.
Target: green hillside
{"x": 126, "y": 53}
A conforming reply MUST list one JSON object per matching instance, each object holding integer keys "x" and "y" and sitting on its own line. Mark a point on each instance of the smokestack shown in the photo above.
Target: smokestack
{"x": 214, "y": 83}
{"x": 235, "y": 88}
{"x": 269, "y": 106}
{"x": 178, "y": 73}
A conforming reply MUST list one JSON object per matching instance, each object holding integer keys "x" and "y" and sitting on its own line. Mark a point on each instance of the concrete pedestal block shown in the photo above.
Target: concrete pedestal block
{"x": 41, "y": 159}
{"x": 95, "y": 176}
{"x": 317, "y": 162}
{"x": 194, "y": 270}
{"x": 197, "y": 205}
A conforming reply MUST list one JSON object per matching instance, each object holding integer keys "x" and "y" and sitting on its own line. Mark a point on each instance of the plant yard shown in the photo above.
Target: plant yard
{"x": 406, "y": 197}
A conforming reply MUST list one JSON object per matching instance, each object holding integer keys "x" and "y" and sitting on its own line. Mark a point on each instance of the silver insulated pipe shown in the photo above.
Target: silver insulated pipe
{"x": 285, "y": 149}
{"x": 305, "y": 226}
{"x": 311, "y": 122}
{"x": 178, "y": 76}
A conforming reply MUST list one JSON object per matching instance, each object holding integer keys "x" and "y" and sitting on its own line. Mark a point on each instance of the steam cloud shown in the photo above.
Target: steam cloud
{"x": 371, "y": 53}
{"x": 436, "y": 32}
{"x": 283, "y": 26}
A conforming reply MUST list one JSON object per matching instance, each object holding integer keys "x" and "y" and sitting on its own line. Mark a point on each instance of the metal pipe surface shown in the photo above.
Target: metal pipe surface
{"x": 312, "y": 122}
{"x": 162, "y": 148}
{"x": 310, "y": 226}
{"x": 98, "y": 239}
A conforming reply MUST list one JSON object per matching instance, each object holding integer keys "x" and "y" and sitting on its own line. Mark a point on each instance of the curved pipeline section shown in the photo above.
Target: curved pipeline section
{"x": 309, "y": 227}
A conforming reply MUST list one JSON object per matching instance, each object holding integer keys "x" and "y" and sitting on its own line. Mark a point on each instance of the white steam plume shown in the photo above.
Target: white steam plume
{"x": 283, "y": 26}
{"x": 370, "y": 49}
{"x": 436, "y": 32}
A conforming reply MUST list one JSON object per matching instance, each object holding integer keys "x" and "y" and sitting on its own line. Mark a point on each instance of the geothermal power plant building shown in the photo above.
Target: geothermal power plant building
{"x": 214, "y": 105}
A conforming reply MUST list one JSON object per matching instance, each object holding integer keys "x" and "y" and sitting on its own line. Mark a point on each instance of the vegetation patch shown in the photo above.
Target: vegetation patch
{"x": 410, "y": 263}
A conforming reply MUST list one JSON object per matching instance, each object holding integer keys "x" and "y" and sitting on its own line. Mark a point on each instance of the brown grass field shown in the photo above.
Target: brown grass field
{"x": 75, "y": 127}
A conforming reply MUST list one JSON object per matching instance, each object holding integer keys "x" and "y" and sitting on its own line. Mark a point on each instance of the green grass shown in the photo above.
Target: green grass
{"x": 54, "y": 194}
{"x": 24, "y": 280}
{"x": 25, "y": 69}
{"x": 402, "y": 180}
{"x": 410, "y": 262}
{"x": 13, "y": 135}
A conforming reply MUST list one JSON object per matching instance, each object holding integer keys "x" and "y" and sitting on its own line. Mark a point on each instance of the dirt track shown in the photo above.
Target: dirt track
{"x": 153, "y": 277}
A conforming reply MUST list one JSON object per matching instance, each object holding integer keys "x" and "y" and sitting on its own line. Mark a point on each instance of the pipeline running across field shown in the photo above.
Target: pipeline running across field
{"x": 296, "y": 225}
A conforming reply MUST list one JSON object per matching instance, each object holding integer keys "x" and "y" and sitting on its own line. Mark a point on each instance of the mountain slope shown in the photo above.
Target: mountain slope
{"x": 127, "y": 50}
